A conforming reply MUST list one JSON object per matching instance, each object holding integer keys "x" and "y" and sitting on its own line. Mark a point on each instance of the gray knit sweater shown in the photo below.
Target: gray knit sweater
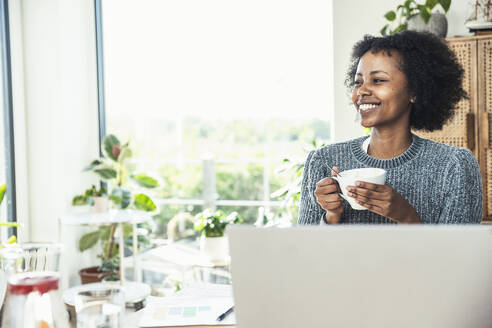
{"x": 442, "y": 183}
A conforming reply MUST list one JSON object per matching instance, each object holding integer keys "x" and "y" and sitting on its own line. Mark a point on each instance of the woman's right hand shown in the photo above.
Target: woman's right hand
{"x": 327, "y": 195}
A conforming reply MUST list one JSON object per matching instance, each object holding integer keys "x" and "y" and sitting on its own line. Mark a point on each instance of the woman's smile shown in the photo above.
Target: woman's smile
{"x": 368, "y": 108}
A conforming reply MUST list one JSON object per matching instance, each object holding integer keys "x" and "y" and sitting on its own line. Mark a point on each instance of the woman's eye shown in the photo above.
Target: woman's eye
{"x": 379, "y": 80}
{"x": 357, "y": 83}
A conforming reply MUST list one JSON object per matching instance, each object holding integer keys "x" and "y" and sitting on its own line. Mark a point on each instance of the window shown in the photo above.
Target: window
{"x": 215, "y": 94}
{"x": 7, "y": 168}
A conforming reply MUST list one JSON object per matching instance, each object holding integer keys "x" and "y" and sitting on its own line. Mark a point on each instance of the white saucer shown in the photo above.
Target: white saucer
{"x": 134, "y": 291}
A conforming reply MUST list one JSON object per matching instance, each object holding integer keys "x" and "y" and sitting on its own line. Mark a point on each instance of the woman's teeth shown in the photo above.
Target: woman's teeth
{"x": 364, "y": 107}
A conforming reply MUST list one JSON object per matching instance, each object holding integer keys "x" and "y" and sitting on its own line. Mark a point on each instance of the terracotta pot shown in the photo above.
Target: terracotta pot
{"x": 92, "y": 274}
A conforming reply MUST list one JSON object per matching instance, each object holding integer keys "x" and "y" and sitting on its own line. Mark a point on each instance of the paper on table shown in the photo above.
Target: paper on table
{"x": 206, "y": 290}
{"x": 186, "y": 311}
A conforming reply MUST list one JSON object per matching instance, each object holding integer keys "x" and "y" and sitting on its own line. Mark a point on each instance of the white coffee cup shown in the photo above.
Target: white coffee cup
{"x": 348, "y": 178}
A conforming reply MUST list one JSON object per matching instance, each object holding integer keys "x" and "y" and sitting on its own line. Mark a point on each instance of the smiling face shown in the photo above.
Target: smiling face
{"x": 380, "y": 91}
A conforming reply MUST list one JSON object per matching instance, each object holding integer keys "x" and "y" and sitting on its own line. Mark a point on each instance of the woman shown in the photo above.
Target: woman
{"x": 405, "y": 81}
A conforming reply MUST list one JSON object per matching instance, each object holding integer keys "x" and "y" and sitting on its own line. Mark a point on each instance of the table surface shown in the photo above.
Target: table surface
{"x": 132, "y": 319}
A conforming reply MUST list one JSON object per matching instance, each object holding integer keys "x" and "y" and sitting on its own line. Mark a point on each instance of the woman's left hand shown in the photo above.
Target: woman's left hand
{"x": 385, "y": 201}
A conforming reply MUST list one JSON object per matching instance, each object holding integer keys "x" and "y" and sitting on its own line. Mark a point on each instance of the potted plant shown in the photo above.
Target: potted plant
{"x": 212, "y": 225}
{"x": 96, "y": 198}
{"x": 124, "y": 185}
{"x": 420, "y": 17}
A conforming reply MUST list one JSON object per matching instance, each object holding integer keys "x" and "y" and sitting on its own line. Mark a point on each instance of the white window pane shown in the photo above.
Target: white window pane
{"x": 246, "y": 82}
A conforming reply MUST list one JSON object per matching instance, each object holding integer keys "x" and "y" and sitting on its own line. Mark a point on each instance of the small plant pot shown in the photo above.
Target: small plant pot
{"x": 437, "y": 24}
{"x": 216, "y": 249}
{"x": 101, "y": 204}
{"x": 111, "y": 281}
{"x": 92, "y": 274}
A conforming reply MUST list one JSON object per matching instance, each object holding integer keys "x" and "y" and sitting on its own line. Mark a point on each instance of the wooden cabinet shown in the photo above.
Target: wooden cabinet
{"x": 469, "y": 128}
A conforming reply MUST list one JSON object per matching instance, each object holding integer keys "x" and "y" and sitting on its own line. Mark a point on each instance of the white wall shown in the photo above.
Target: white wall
{"x": 352, "y": 20}
{"x": 56, "y": 124}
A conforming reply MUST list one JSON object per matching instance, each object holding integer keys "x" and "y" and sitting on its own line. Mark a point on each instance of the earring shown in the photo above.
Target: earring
{"x": 412, "y": 100}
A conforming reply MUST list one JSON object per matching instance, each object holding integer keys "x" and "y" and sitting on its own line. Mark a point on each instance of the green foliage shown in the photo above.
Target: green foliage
{"x": 111, "y": 265}
{"x": 213, "y": 223}
{"x": 291, "y": 193}
{"x": 245, "y": 181}
{"x": 112, "y": 147}
{"x": 272, "y": 138}
{"x": 144, "y": 203}
{"x": 121, "y": 197}
{"x": 87, "y": 197}
{"x": 3, "y": 189}
{"x": 89, "y": 240}
{"x": 103, "y": 236}
{"x": 115, "y": 170}
{"x": 406, "y": 10}
{"x": 145, "y": 181}
{"x": 106, "y": 172}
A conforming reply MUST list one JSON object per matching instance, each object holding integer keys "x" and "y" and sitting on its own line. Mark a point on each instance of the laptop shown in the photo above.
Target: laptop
{"x": 362, "y": 276}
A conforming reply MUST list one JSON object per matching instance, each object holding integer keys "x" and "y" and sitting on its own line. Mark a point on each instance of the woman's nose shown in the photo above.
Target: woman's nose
{"x": 363, "y": 90}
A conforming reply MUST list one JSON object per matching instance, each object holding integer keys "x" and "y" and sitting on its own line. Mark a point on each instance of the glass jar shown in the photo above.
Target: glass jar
{"x": 27, "y": 257}
{"x": 34, "y": 301}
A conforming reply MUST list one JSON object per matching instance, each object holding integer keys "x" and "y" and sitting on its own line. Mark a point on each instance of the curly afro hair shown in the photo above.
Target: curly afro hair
{"x": 431, "y": 68}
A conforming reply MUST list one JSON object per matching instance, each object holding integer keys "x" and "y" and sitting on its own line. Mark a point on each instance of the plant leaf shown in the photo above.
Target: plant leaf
{"x": 424, "y": 13}
{"x": 145, "y": 181}
{"x": 399, "y": 28}
{"x": 80, "y": 200}
{"x": 445, "y": 4}
{"x": 384, "y": 30}
{"x": 115, "y": 199}
{"x": 390, "y": 15}
{"x": 121, "y": 197}
{"x": 431, "y": 3}
{"x": 126, "y": 198}
{"x": 124, "y": 154}
{"x": 88, "y": 240}
{"x": 144, "y": 203}
{"x": 405, "y": 12}
{"x": 106, "y": 172}
{"x": 109, "y": 141}
{"x": 3, "y": 188}
{"x": 95, "y": 163}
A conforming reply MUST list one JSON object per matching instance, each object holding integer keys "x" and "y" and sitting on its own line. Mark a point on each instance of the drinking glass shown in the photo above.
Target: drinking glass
{"x": 101, "y": 307}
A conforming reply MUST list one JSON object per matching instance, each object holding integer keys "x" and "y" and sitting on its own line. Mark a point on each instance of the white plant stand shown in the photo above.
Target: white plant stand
{"x": 118, "y": 217}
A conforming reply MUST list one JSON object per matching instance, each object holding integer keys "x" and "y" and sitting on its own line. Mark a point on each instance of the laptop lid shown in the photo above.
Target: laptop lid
{"x": 362, "y": 276}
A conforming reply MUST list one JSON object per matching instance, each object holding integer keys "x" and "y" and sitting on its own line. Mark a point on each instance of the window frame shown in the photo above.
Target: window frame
{"x": 8, "y": 114}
